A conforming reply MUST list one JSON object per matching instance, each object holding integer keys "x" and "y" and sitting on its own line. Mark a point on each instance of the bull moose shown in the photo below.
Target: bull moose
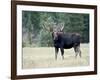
{"x": 64, "y": 40}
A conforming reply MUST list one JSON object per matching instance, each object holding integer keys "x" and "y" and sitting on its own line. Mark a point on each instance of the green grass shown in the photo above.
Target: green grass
{"x": 44, "y": 57}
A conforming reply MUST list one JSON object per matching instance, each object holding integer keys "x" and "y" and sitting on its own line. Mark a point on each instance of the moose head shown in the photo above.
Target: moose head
{"x": 55, "y": 30}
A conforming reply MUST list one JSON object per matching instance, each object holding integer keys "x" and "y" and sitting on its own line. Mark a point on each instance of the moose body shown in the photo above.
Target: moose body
{"x": 66, "y": 41}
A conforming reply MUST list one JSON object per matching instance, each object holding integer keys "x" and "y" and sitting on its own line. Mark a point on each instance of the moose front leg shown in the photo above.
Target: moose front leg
{"x": 62, "y": 52}
{"x": 56, "y": 52}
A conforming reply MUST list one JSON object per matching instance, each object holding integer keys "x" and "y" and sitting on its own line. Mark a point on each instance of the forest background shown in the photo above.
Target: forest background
{"x": 34, "y": 24}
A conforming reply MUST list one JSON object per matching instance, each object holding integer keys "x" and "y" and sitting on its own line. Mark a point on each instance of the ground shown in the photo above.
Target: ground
{"x": 44, "y": 57}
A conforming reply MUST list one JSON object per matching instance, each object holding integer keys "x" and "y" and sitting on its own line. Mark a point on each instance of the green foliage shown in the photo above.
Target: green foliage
{"x": 44, "y": 38}
{"x": 36, "y": 26}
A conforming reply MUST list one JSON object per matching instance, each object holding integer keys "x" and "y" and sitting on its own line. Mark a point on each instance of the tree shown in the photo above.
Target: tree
{"x": 36, "y": 25}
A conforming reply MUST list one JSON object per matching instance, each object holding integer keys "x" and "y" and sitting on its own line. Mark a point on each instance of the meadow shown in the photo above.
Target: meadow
{"x": 44, "y": 57}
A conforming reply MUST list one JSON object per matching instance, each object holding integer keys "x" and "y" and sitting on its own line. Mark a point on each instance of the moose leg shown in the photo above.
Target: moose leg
{"x": 62, "y": 52}
{"x": 79, "y": 51}
{"x": 56, "y": 52}
{"x": 76, "y": 51}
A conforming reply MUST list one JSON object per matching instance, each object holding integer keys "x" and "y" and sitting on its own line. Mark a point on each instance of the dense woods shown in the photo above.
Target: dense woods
{"x": 34, "y": 24}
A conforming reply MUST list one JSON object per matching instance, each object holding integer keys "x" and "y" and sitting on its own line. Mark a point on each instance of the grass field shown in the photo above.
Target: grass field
{"x": 44, "y": 57}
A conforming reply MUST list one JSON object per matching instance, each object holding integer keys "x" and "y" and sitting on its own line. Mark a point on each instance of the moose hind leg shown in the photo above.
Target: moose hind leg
{"x": 76, "y": 51}
{"x": 56, "y": 52}
{"x": 79, "y": 51}
{"x": 62, "y": 52}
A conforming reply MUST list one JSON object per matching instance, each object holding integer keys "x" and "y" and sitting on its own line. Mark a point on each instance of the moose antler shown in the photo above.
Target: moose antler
{"x": 48, "y": 28}
{"x": 62, "y": 27}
